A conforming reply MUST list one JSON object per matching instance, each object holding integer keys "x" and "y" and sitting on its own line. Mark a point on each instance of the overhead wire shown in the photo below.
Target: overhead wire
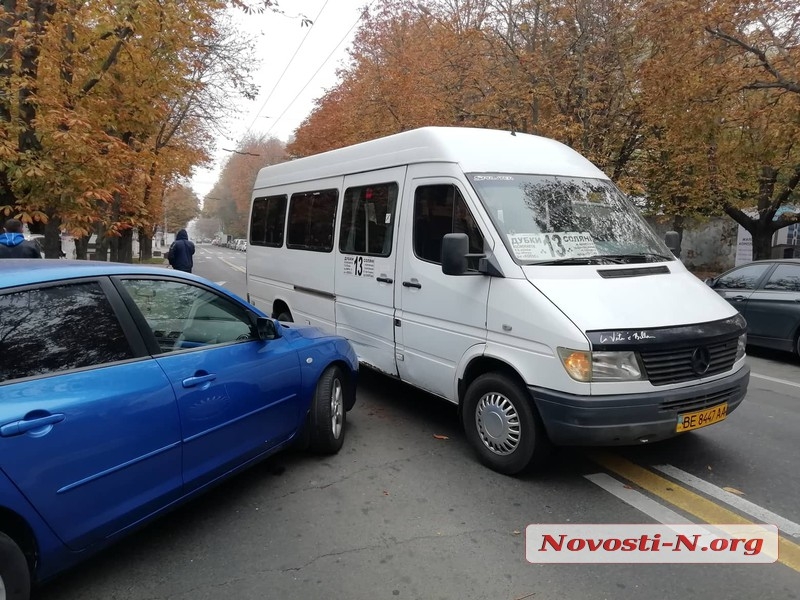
{"x": 289, "y": 64}
{"x": 332, "y": 52}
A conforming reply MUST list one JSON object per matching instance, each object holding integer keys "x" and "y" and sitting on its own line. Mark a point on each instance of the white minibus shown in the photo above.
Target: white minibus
{"x": 504, "y": 273}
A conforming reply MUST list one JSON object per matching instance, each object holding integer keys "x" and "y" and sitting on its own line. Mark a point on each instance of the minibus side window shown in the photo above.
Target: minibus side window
{"x": 267, "y": 221}
{"x": 439, "y": 210}
{"x": 311, "y": 220}
{"x": 368, "y": 219}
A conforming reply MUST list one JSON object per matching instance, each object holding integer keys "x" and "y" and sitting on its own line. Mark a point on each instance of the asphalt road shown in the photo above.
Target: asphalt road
{"x": 404, "y": 510}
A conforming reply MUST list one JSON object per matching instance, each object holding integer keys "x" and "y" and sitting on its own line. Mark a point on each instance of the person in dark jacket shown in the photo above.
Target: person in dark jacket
{"x": 180, "y": 252}
{"x": 14, "y": 245}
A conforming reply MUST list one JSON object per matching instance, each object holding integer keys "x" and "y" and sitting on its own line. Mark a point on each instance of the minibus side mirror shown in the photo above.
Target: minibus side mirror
{"x": 673, "y": 241}
{"x": 455, "y": 247}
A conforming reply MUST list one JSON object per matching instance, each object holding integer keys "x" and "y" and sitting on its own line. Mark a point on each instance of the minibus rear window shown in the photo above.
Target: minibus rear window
{"x": 267, "y": 221}
{"x": 311, "y": 219}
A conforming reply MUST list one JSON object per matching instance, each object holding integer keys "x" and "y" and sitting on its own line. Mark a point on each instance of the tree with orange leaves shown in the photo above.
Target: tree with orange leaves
{"x": 723, "y": 112}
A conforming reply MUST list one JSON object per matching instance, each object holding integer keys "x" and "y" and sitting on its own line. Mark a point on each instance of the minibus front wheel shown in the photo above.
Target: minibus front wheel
{"x": 502, "y": 424}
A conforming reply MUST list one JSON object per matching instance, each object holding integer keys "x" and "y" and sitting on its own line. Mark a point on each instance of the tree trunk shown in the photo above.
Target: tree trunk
{"x": 762, "y": 242}
{"x": 125, "y": 247}
{"x": 81, "y": 247}
{"x": 145, "y": 246}
{"x": 101, "y": 246}
{"x": 678, "y": 225}
{"x": 52, "y": 237}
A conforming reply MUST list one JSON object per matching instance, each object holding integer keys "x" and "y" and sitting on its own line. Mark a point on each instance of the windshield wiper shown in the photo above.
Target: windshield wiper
{"x": 605, "y": 259}
{"x": 598, "y": 259}
{"x": 641, "y": 257}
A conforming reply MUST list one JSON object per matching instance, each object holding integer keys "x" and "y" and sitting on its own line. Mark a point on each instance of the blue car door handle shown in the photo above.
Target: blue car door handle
{"x": 198, "y": 380}
{"x": 26, "y": 425}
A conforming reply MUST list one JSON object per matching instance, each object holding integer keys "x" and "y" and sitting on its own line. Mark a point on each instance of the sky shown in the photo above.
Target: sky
{"x": 297, "y": 65}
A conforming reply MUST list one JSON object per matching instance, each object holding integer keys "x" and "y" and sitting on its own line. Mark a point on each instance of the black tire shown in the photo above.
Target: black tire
{"x": 328, "y": 414}
{"x": 513, "y": 439}
{"x": 14, "y": 575}
{"x": 285, "y": 316}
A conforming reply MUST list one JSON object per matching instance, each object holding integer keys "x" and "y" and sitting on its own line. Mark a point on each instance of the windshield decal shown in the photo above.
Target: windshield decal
{"x": 544, "y": 246}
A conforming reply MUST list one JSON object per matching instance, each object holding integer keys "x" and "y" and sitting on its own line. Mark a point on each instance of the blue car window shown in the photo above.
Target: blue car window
{"x": 58, "y": 328}
{"x": 785, "y": 278}
{"x": 182, "y": 315}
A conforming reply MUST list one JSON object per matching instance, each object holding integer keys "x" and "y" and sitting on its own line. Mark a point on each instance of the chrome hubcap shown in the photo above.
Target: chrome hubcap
{"x": 498, "y": 424}
{"x": 337, "y": 409}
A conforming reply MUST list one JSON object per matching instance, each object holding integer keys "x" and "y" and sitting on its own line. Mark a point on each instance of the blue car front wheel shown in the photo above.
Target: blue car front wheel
{"x": 328, "y": 414}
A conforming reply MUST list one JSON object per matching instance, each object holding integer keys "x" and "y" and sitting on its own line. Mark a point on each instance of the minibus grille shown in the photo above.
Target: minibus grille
{"x": 689, "y": 362}
{"x": 700, "y": 402}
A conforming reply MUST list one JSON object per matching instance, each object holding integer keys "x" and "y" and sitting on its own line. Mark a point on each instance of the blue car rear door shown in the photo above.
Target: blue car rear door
{"x": 237, "y": 395}
{"x": 89, "y": 426}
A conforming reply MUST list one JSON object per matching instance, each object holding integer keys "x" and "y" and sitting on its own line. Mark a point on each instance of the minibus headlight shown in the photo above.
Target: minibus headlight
{"x": 600, "y": 366}
{"x": 615, "y": 366}
{"x": 578, "y": 363}
{"x": 741, "y": 346}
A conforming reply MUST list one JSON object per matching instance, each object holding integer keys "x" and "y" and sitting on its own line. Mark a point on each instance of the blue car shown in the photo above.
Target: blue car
{"x": 126, "y": 390}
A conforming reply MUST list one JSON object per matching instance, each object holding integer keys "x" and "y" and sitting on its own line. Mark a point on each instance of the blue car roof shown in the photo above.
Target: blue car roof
{"x": 25, "y": 271}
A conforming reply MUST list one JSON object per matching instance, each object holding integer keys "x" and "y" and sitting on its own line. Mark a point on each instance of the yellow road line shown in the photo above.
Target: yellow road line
{"x": 688, "y": 501}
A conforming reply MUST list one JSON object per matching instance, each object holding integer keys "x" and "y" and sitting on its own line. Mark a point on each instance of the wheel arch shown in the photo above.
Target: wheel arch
{"x": 349, "y": 380}
{"x": 279, "y": 305}
{"x": 484, "y": 364}
{"x": 17, "y": 528}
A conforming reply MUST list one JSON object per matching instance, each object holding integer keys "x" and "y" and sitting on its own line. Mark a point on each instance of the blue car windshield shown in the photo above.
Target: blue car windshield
{"x": 547, "y": 219}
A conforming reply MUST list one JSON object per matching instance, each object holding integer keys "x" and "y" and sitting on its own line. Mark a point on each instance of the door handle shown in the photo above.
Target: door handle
{"x": 412, "y": 284}
{"x": 26, "y": 425}
{"x": 739, "y": 298}
{"x": 198, "y": 380}
{"x": 384, "y": 280}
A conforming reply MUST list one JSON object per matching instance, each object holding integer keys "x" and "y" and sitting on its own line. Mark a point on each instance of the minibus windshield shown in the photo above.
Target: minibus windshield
{"x": 545, "y": 219}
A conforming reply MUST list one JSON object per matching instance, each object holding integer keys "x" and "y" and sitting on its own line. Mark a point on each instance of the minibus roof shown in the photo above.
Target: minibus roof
{"x": 474, "y": 150}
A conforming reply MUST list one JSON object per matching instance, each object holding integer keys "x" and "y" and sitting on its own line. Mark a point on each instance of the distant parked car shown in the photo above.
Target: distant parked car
{"x": 125, "y": 390}
{"x": 767, "y": 293}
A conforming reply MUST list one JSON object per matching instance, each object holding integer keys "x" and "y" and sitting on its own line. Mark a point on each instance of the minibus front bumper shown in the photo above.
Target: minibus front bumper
{"x": 626, "y": 419}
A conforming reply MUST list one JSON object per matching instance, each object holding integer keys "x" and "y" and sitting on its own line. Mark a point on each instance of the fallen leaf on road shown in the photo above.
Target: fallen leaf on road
{"x": 385, "y": 493}
{"x": 440, "y": 437}
{"x": 515, "y": 532}
{"x": 733, "y": 491}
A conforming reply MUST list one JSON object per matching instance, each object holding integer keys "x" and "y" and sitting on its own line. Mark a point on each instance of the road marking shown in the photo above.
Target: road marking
{"x": 220, "y": 283}
{"x": 233, "y": 266}
{"x": 747, "y": 507}
{"x": 689, "y": 502}
{"x": 638, "y": 500}
{"x": 775, "y": 379}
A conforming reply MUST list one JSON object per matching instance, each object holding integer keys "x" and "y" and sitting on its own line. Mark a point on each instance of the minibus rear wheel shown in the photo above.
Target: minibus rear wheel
{"x": 285, "y": 317}
{"x": 502, "y": 424}
{"x": 15, "y": 580}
